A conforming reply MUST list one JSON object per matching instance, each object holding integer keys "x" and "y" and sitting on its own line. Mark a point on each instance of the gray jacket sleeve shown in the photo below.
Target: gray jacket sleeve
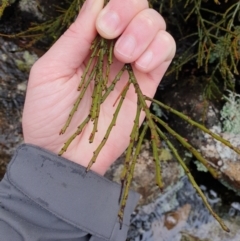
{"x": 46, "y": 197}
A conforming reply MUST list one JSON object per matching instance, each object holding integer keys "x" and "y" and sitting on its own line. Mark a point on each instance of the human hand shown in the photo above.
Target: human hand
{"x": 54, "y": 78}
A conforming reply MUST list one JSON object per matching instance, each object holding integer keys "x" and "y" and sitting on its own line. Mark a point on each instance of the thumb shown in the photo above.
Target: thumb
{"x": 71, "y": 49}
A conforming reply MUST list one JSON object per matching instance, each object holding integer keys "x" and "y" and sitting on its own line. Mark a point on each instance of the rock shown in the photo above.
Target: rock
{"x": 190, "y": 102}
{"x": 178, "y": 214}
{"x": 13, "y": 82}
{"x": 31, "y": 7}
{"x": 223, "y": 158}
{"x": 27, "y": 61}
{"x": 171, "y": 225}
{"x": 42, "y": 10}
{"x": 144, "y": 174}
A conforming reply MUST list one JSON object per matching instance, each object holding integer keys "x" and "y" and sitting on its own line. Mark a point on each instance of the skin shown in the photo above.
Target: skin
{"x": 53, "y": 80}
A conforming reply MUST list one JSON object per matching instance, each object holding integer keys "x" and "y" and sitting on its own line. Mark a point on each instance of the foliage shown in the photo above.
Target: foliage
{"x": 3, "y": 5}
{"x": 230, "y": 113}
{"x": 51, "y": 29}
{"x": 209, "y": 33}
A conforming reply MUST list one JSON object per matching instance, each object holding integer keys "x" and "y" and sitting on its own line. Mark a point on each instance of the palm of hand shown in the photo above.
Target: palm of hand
{"x": 50, "y": 99}
{"x": 54, "y": 78}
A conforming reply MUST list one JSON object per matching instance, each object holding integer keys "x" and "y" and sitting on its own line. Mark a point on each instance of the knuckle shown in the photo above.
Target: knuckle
{"x": 153, "y": 18}
{"x": 142, "y": 3}
{"x": 171, "y": 44}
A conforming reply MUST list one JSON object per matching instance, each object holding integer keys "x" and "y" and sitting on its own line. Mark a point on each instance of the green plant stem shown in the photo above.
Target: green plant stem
{"x": 112, "y": 124}
{"x": 111, "y": 87}
{"x": 194, "y": 123}
{"x": 79, "y": 130}
{"x": 127, "y": 183}
{"x": 154, "y": 136}
{"x": 189, "y": 147}
{"x": 192, "y": 180}
{"x": 133, "y": 137}
{"x": 76, "y": 104}
{"x": 95, "y": 45}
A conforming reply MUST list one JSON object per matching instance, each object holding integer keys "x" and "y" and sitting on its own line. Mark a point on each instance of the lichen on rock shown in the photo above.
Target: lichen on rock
{"x": 223, "y": 158}
{"x": 230, "y": 114}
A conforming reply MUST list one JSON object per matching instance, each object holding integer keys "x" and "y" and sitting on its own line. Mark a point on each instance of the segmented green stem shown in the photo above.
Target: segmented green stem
{"x": 133, "y": 137}
{"x": 112, "y": 124}
{"x": 191, "y": 179}
{"x": 76, "y": 104}
{"x": 111, "y": 87}
{"x": 95, "y": 108}
{"x": 95, "y": 124}
{"x": 154, "y": 136}
{"x": 126, "y": 185}
{"x": 95, "y": 44}
{"x": 95, "y": 96}
{"x": 194, "y": 123}
{"x": 79, "y": 130}
{"x": 213, "y": 171}
{"x": 109, "y": 61}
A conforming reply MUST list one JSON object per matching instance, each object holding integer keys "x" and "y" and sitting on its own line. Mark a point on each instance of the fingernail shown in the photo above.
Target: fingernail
{"x": 109, "y": 22}
{"x": 126, "y": 46}
{"x": 145, "y": 59}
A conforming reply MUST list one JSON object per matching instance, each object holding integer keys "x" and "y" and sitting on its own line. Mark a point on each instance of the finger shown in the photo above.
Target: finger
{"x": 149, "y": 83}
{"x": 138, "y": 35}
{"x": 114, "y": 18}
{"x": 161, "y": 49}
{"x": 72, "y": 47}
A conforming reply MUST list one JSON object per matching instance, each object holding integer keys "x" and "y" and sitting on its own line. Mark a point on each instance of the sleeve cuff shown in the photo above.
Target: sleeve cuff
{"x": 87, "y": 201}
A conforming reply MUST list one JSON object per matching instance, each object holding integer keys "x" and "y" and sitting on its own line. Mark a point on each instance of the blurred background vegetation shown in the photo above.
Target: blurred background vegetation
{"x": 208, "y": 40}
{"x": 207, "y": 33}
